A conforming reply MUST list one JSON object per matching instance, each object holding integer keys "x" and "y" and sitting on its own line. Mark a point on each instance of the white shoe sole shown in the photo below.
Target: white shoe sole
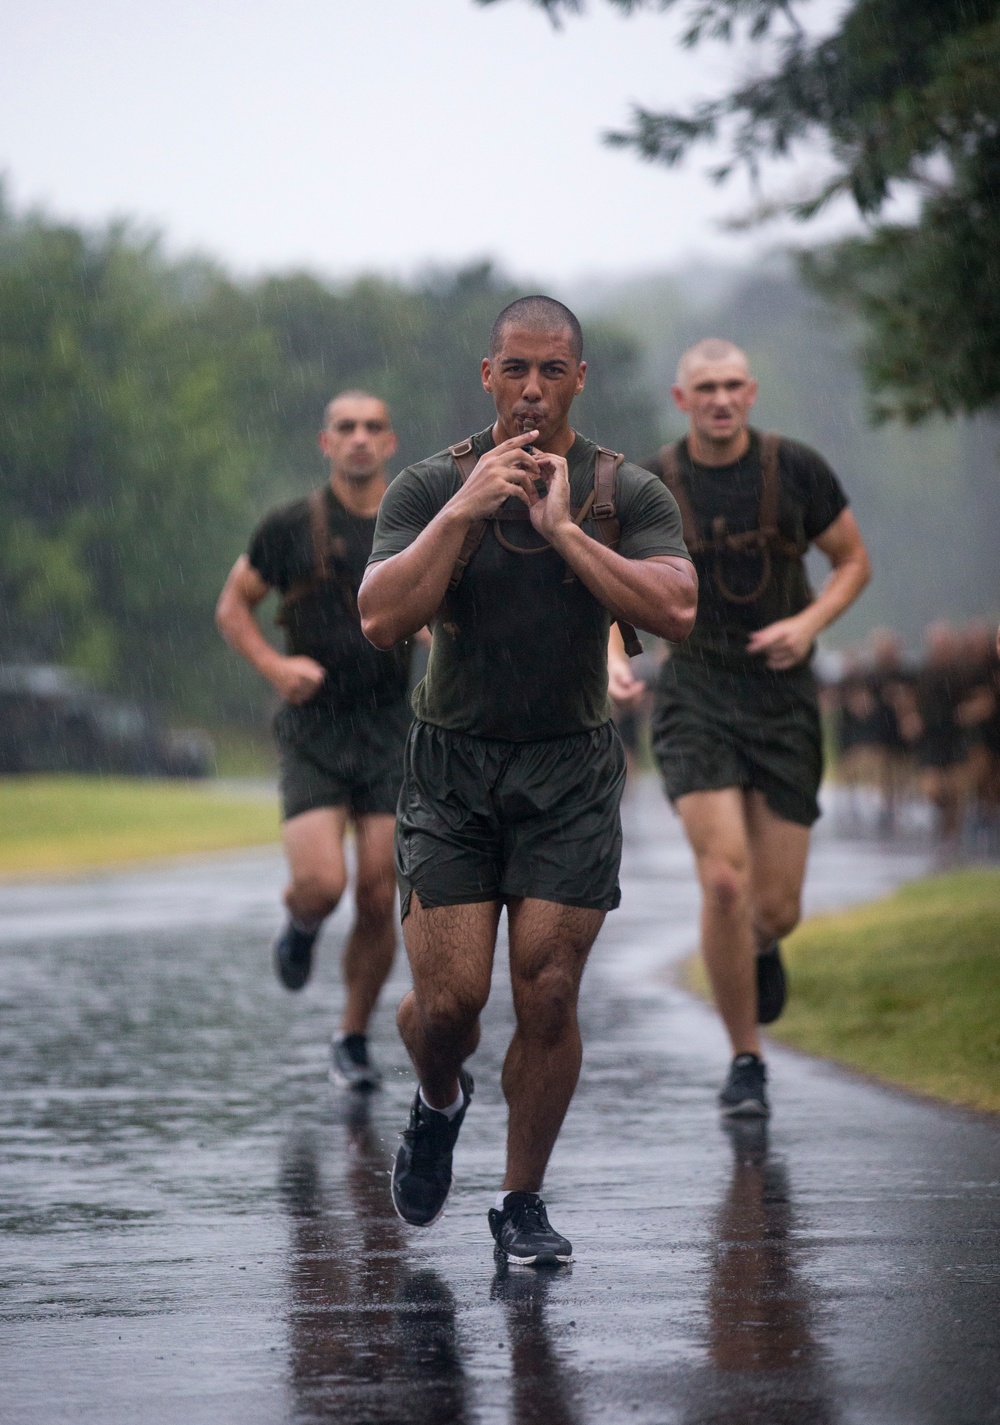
{"x": 533, "y": 1261}
{"x": 364, "y": 1085}
{"x": 749, "y": 1108}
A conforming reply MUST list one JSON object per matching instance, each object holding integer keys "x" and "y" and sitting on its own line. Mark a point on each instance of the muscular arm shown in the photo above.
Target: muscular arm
{"x": 296, "y": 679}
{"x": 787, "y": 642}
{"x": 658, "y": 594}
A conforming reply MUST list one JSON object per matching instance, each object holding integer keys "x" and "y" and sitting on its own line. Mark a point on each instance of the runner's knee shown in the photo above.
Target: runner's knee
{"x": 778, "y": 915}
{"x": 315, "y": 892}
{"x": 724, "y": 880}
{"x": 545, "y": 1003}
{"x": 448, "y": 1014}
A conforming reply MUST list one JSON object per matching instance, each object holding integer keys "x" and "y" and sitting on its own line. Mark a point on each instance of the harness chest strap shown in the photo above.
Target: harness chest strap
{"x": 319, "y": 533}
{"x": 767, "y": 537}
{"x": 599, "y": 505}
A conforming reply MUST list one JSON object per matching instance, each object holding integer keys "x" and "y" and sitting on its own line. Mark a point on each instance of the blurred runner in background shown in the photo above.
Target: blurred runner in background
{"x": 866, "y": 703}
{"x": 344, "y": 714}
{"x": 736, "y": 728}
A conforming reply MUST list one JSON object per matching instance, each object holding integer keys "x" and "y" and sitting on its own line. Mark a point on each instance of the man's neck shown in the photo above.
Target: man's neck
{"x": 359, "y": 497}
{"x": 559, "y": 444}
{"x": 715, "y": 452}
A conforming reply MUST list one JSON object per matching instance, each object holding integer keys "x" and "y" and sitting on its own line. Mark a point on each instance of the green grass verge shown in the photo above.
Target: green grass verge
{"x": 906, "y": 989}
{"x": 54, "y": 824}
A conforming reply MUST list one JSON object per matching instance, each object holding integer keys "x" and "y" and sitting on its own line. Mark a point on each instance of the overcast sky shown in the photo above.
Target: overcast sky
{"x": 351, "y": 135}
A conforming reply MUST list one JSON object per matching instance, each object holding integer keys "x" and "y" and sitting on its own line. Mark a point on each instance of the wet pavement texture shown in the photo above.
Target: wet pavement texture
{"x": 197, "y": 1227}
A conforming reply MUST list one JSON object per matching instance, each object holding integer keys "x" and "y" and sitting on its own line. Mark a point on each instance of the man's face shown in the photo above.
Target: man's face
{"x": 357, "y": 438}
{"x": 717, "y": 396}
{"x": 533, "y": 379}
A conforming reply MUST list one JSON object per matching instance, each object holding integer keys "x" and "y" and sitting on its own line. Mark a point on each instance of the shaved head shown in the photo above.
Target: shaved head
{"x": 354, "y": 395}
{"x": 538, "y": 313}
{"x": 709, "y": 351}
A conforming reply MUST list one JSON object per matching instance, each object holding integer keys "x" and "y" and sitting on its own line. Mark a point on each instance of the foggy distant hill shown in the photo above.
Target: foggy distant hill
{"x": 927, "y": 497}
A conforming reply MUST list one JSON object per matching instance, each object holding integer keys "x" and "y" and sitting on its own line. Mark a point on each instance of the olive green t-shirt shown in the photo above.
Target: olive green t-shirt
{"x": 520, "y": 651}
{"x": 810, "y": 498}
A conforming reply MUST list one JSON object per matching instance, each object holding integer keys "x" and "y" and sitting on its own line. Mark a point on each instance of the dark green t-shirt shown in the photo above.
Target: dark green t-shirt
{"x": 810, "y": 499}
{"x": 521, "y": 651}
{"x": 323, "y": 623}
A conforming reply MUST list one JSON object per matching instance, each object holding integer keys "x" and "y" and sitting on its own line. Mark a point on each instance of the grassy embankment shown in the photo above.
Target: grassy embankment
{"x": 54, "y": 824}
{"x": 906, "y": 989}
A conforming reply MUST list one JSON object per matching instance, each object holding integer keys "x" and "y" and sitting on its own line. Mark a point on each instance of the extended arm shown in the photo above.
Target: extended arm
{"x": 297, "y": 679}
{"x": 787, "y": 642}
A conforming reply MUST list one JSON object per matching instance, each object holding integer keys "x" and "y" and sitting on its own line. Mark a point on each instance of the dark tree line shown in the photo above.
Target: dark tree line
{"x": 150, "y": 411}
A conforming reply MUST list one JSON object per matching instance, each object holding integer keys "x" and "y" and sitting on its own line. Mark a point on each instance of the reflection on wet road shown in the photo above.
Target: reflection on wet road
{"x": 197, "y": 1228}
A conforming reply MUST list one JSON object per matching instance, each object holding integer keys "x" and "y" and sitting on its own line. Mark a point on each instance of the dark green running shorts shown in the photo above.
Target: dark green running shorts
{"x": 335, "y": 759}
{"x": 716, "y": 727}
{"x": 483, "y": 820}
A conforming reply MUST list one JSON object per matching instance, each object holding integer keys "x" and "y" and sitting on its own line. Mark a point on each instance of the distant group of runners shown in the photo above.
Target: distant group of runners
{"x": 532, "y": 555}
{"x": 931, "y": 723}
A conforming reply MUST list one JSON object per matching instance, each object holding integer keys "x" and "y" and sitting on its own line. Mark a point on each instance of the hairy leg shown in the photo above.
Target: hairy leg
{"x": 371, "y": 946}
{"x": 549, "y": 945}
{"x": 716, "y": 827}
{"x": 778, "y": 852}
{"x": 314, "y": 848}
{"x": 450, "y": 950}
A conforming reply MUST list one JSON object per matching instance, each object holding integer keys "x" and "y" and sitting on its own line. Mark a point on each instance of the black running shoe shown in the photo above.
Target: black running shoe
{"x": 351, "y": 1065}
{"x": 772, "y": 985}
{"x": 293, "y": 956}
{"x": 421, "y": 1174}
{"x": 743, "y": 1094}
{"x": 522, "y": 1233}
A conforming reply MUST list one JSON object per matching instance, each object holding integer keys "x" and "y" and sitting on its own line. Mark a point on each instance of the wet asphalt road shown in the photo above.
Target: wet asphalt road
{"x": 196, "y": 1227}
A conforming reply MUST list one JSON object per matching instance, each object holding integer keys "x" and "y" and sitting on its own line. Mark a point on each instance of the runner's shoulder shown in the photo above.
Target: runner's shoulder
{"x": 280, "y": 543}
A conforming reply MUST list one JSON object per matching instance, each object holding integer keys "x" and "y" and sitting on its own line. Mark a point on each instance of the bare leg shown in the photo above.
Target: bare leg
{"x": 549, "y": 945}
{"x": 450, "y": 950}
{"x": 716, "y": 827}
{"x": 314, "y": 846}
{"x": 371, "y": 946}
{"x": 778, "y": 853}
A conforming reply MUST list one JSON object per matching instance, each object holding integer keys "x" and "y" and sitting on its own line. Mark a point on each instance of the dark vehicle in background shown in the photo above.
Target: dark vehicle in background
{"x": 52, "y": 720}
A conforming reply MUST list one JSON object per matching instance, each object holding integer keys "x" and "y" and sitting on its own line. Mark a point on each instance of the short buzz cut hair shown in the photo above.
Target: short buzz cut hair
{"x": 712, "y": 348}
{"x": 355, "y": 394}
{"x": 539, "y": 314}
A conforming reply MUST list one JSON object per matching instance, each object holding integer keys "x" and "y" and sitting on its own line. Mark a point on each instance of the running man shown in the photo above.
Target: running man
{"x": 513, "y": 771}
{"x": 736, "y": 726}
{"x": 344, "y": 713}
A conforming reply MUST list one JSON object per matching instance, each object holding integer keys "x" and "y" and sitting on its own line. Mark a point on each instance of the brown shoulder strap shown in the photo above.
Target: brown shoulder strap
{"x": 767, "y": 519}
{"x": 466, "y": 459}
{"x": 672, "y": 477}
{"x": 602, "y": 508}
{"x": 320, "y": 531}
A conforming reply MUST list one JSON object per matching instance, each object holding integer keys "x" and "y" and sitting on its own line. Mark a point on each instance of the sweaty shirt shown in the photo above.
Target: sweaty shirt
{"x": 521, "y": 651}
{"x": 810, "y": 499}
{"x": 323, "y": 624}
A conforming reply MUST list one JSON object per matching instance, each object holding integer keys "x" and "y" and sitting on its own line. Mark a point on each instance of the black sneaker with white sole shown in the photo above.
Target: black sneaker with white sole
{"x": 772, "y": 984}
{"x": 351, "y": 1065}
{"x": 523, "y": 1234}
{"x": 293, "y": 955}
{"x": 421, "y": 1173}
{"x": 743, "y": 1095}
